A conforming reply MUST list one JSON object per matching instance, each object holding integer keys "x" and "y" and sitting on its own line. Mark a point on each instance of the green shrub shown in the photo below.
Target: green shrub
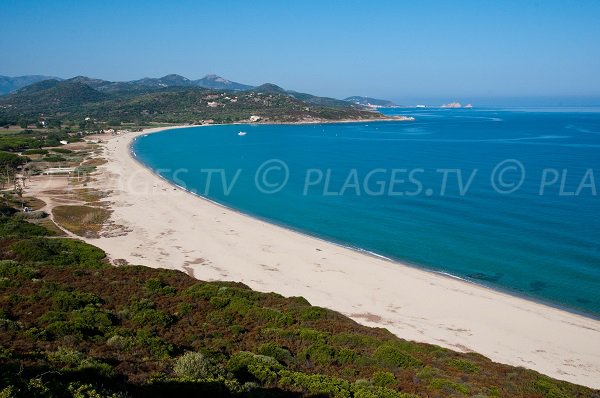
{"x": 247, "y": 366}
{"x": 80, "y": 323}
{"x": 391, "y": 355}
{"x": 262, "y": 315}
{"x": 90, "y": 320}
{"x": 383, "y": 379}
{"x": 66, "y": 357}
{"x": 202, "y": 291}
{"x": 549, "y": 388}
{"x": 69, "y": 301}
{"x": 59, "y": 252}
{"x": 464, "y": 365}
{"x": 312, "y": 336}
{"x": 220, "y": 318}
{"x": 158, "y": 287}
{"x": 121, "y": 343}
{"x": 237, "y": 330}
{"x": 140, "y": 305}
{"x": 320, "y": 354}
{"x": 69, "y": 359}
{"x": 316, "y": 384}
{"x": 346, "y": 356}
{"x": 448, "y": 386}
{"x": 427, "y": 373}
{"x": 240, "y": 305}
{"x": 157, "y": 347}
{"x": 9, "y": 325}
{"x": 366, "y": 391}
{"x": 193, "y": 365}
{"x": 184, "y": 309}
{"x": 12, "y": 269}
{"x": 273, "y": 350}
{"x": 35, "y": 152}
{"x": 80, "y": 390}
{"x": 14, "y": 227}
{"x": 8, "y": 392}
{"x": 313, "y": 313}
{"x": 219, "y": 302}
{"x": 61, "y": 150}
{"x": 152, "y": 318}
{"x": 53, "y": 158}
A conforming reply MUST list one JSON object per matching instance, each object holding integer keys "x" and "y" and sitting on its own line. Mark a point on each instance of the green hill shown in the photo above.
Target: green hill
{"x": 50, "y": 97}
{"x": 9, "y": 84}
{"x": 171, "y": 99}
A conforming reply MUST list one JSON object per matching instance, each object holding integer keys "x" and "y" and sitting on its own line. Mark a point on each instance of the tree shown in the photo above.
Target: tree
{"x": 19, "y": 190}
{"x": 54, "y": 124}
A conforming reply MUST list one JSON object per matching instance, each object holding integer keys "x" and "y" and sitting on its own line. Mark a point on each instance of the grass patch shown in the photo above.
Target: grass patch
{"x": 34, "y": 203}
{"x": 89, "y": 195}
{"x": 84, "y": 221}
{"x": 49, "y": 225}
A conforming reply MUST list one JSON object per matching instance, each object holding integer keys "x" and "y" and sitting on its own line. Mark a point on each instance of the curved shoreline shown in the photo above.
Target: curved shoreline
{"x": 413, "y": 303}
{"x": 356, "y": 249}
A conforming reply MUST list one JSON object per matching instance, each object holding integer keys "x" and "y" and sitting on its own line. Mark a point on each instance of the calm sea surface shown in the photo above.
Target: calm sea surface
{"x": 505, "y": 198}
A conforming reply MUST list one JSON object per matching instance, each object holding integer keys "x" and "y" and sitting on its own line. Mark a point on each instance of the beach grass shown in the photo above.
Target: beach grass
{"x": 84, "y": 221}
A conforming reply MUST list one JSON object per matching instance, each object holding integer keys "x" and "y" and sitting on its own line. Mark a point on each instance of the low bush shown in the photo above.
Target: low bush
{"x": 281, "y": 354}
{"x": 202, "y": 291}
{"x": 247, "y": 367}
{"x": 464, "y": 365}
{"x": 151, "y": 318}
{"x": 392, "y": 356}
{"x": 158, "y": 287}
{"x": 70, "y": 360}
{"x": 53, "y": 159}
{"x": 313, "y": 313}
{"x": 319, "y": 354}
{"x": 194, "y": 365}
{"x": 11, "y": 269}
{"x": 448, "y": 386}
{"x": 383, "y": 379}
{"x": 35, "y": 152}
{"x": 68, "y": 301}
{"x": 59, "y": 252}
{"x": 15, "y": 227}
{"x": 61, "y": 150}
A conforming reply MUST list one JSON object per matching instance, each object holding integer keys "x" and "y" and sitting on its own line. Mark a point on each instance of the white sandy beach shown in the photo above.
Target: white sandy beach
{"x": 171, "y": 228}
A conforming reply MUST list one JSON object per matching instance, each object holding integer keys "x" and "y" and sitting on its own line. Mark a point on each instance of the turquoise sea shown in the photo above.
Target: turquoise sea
{"x": 508, "y": 198}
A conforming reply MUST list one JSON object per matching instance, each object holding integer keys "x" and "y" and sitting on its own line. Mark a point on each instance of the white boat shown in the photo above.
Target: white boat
{"x": 242, "y": 133}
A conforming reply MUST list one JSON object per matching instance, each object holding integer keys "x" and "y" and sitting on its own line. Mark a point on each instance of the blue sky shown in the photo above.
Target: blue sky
{"x": 409, "y": 51}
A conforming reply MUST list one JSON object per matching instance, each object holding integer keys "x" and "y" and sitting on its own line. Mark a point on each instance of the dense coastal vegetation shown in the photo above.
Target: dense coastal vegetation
{"x": 73, "y": 325}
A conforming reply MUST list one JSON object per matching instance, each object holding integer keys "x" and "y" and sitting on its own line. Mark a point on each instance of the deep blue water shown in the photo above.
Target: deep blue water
{"x": 402, "y": 196}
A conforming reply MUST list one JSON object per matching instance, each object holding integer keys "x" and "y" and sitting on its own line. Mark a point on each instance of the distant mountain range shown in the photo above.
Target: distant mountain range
{"x": 8, "y": 84}
{"x": 170, "y": 99}
{"x": 12, "y": 84}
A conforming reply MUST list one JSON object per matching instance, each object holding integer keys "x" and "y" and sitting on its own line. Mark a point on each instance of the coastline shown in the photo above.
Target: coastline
{"x": 356, "y": 249}
{"x": 372, "y": 290}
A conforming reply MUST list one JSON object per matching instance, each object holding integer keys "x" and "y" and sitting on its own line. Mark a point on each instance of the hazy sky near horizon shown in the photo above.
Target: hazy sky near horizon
{"x": 393, "y": 49}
